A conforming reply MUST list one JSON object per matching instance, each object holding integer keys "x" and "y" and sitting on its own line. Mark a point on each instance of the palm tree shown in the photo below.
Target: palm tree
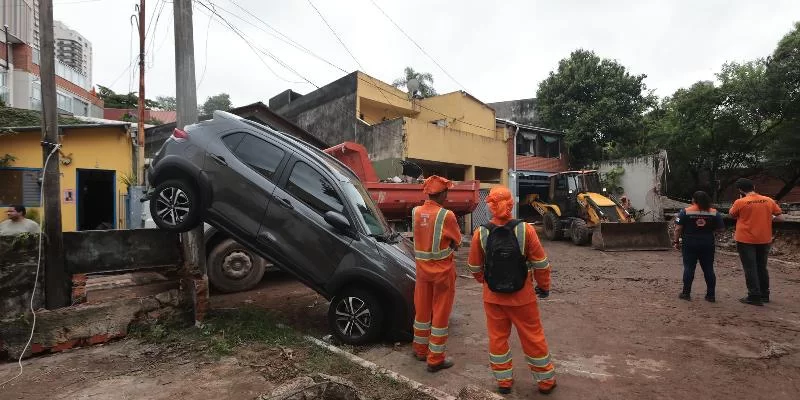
{"x": 425, "y": 80}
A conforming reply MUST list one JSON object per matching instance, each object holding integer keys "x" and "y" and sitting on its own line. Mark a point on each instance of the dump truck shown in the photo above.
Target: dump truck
{"x": 577, "y": 207}
{"x": 396, "y": 199}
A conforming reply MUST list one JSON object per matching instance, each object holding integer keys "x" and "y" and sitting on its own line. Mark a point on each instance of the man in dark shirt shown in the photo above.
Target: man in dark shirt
{"x": 696, "y": 225}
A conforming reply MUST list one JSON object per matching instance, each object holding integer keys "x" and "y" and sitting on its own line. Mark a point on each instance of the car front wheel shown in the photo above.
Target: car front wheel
{"x": 356, "y": 316}
{"x": 175, "y": 206}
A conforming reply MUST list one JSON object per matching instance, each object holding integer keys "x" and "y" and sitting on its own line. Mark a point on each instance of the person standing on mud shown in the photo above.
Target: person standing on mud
{"x": 506, "y": 256}
{"x": 436, "y": 237}
{"x": 696, "y": 225}
{"x": 754, "y": 214}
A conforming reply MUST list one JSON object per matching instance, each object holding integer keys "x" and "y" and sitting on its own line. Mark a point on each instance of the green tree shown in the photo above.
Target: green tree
{"x": 115, "y": 100}
{"x": 425, "y": 80}
{"x": 599, "y": 105}
{"x": 167, "y": 103}
{"x": 221, "y": 102}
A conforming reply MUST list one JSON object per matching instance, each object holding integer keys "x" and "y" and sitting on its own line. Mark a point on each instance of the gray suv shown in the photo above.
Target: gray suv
{"x": 297, "y": 207}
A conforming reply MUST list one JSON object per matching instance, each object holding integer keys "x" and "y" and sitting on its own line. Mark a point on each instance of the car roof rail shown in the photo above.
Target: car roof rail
{"x": 219, "y": 114}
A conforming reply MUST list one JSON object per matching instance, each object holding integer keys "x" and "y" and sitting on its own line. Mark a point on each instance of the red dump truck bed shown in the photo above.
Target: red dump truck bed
{"x": 396, "y": 200}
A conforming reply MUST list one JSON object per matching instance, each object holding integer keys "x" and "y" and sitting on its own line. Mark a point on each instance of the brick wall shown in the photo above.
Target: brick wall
{"x": 766, "y": 185}
{"x": 531, "y": 163}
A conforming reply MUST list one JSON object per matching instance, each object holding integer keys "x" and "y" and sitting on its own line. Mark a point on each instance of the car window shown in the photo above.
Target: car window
{"x": 310, "y": 187}
{"x": 232, "y": 141}
{"x": 258, "y": 154}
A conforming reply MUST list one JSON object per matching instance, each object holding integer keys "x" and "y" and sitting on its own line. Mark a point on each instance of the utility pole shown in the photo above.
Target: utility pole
{"x": 57, "y": 292}
{"x": 186, "y": 99}
{"x": 140, "y": 123}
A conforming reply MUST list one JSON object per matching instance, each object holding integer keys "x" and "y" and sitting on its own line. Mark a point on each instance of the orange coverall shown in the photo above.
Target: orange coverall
{"x": 518, "y": 308}
{"x": 436, "y": 233}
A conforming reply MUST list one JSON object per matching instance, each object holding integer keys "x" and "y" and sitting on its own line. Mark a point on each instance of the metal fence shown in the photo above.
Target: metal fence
{"x": 481, "y": 214}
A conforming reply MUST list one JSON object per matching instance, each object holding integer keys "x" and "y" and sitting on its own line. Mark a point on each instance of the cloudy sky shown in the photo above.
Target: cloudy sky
{"x": 496, "y": 52}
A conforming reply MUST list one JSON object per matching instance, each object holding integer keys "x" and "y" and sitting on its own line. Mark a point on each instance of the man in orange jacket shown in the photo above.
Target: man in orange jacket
{"x": 516, "y": 305}
{"x": 436, "y": 236}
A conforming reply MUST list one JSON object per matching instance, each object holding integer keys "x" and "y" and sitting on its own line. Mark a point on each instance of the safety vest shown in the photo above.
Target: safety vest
{"x": 435, "y": 252}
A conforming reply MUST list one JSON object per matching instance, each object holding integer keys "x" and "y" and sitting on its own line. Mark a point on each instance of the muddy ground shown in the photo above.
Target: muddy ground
{"x": 615, "y": 326}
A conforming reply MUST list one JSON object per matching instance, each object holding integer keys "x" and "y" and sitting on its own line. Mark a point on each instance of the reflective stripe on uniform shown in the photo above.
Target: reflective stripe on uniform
{"x": 519, "y": 231}
{"x": 474, "y": 268}
{"x": 543, "y": 376}
{"x": 504, "y": 374}
{"x": 439, "y": 331}
{"x": 484, "y": 235}
{"x": 540, "y": 362}
{"x": 422, "y": 326}
{"x": 495, "y": 359}
{"x": 436, "y": 348}
{"x": 541, "y": 264}
{"x": 435, "y": 253}
{"x": 413, "y": 218}
{"x": 421, "y": 339}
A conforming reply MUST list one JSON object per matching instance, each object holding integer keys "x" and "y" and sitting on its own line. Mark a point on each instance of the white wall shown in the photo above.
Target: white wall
{"x": 642, "y": 182}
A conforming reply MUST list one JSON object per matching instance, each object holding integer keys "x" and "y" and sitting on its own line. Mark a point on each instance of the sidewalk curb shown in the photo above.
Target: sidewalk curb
{"x": 378, "y": 370}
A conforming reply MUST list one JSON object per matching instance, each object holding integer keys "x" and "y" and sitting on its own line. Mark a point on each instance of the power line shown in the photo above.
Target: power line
{"x": 205, "y": 55}
{"x": 253, "y": 47}
{"x": 416, "y": 44}
{"x": 335, "y": 34}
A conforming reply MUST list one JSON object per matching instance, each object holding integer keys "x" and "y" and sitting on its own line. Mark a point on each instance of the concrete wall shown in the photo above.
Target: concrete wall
{"x": 642, "y": 182}
{"x": 384, "y": 142}
{"x": 91, "y": 148}
{"x": 428, "y": 142}
{"x": 18, "y": 261}
{"x": 521, "y": 111}
{"x": 463, "y": 113}
{"x": 333, "y": 122}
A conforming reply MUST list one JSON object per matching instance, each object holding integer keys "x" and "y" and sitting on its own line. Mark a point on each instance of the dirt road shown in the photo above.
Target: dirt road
{"x": 617, "y": 330}
{"x": 614, "y": 323}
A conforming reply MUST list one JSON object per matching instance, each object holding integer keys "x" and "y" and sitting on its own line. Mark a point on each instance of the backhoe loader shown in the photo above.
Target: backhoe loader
{"x": 579, "y": 209}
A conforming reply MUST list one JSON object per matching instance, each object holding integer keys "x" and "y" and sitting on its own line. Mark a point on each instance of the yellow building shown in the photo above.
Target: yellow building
{"x": 453, "y": 134}
{"x": 95, "y": 161}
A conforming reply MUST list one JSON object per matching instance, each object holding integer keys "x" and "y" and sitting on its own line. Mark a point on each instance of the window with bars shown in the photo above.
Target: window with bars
{"x": 20, "y": 186}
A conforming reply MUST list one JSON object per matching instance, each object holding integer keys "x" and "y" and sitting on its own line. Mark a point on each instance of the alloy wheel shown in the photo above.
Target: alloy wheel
{"x": 353, "y": 317}
{"x": 172, "y": 205}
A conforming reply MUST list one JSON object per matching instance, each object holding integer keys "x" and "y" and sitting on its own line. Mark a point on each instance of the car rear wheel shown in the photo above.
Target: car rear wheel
{"x": 356, "y": 316}
{"x": 232, "y": 268}
{"x": 175, "y": 206}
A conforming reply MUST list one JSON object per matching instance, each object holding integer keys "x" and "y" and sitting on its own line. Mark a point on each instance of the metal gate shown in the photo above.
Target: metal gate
{"x": 481, "y": 214}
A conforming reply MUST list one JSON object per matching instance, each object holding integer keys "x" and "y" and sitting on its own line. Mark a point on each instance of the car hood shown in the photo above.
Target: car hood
{"x": 400, "y": 253}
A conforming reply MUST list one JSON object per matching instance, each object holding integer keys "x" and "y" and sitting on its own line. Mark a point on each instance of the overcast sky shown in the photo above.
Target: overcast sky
{"x": 497, "y": 52}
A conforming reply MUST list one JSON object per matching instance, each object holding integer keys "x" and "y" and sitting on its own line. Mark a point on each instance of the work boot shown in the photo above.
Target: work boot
{"x": 447, "y": 363}
{"x": 710, "y": 298}
{"x": 765, "y": 299}
{"x": 753, "y": 301}
{"x": 504, "y": 390}
{"x": 546, "y": 389}
{"x": 420, "y": 357}
{"x": 685, "y": 296}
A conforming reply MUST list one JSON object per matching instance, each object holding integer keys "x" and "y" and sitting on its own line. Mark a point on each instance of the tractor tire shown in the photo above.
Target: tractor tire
{"x": 553, "y": 229}
{"x": 580, "y": 232}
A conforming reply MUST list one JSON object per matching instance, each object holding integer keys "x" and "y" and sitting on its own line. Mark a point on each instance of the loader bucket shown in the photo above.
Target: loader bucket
{"x": 631, "y": 236}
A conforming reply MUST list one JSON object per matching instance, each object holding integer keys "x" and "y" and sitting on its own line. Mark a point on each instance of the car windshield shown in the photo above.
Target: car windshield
{"x": 372, "y": 217}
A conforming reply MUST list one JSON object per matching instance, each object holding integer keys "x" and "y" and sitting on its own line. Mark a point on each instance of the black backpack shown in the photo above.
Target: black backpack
{"x": 505, "y": 267}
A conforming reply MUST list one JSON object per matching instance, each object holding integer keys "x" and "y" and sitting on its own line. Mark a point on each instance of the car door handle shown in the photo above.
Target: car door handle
{"x": 219, "y": 159}
{"x": 286, "y": 203}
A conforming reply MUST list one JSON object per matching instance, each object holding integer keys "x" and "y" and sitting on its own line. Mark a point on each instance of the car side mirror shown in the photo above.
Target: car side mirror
{"x": 338, "y": 221}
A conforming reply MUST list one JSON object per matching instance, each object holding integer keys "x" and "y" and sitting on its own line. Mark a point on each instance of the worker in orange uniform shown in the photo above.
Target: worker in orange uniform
{"x": 436, "y": 237}
{"x": 506, "y": 256}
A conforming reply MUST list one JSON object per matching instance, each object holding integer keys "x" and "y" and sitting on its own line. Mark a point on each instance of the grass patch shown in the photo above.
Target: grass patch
{"x": 258, "y": 339}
